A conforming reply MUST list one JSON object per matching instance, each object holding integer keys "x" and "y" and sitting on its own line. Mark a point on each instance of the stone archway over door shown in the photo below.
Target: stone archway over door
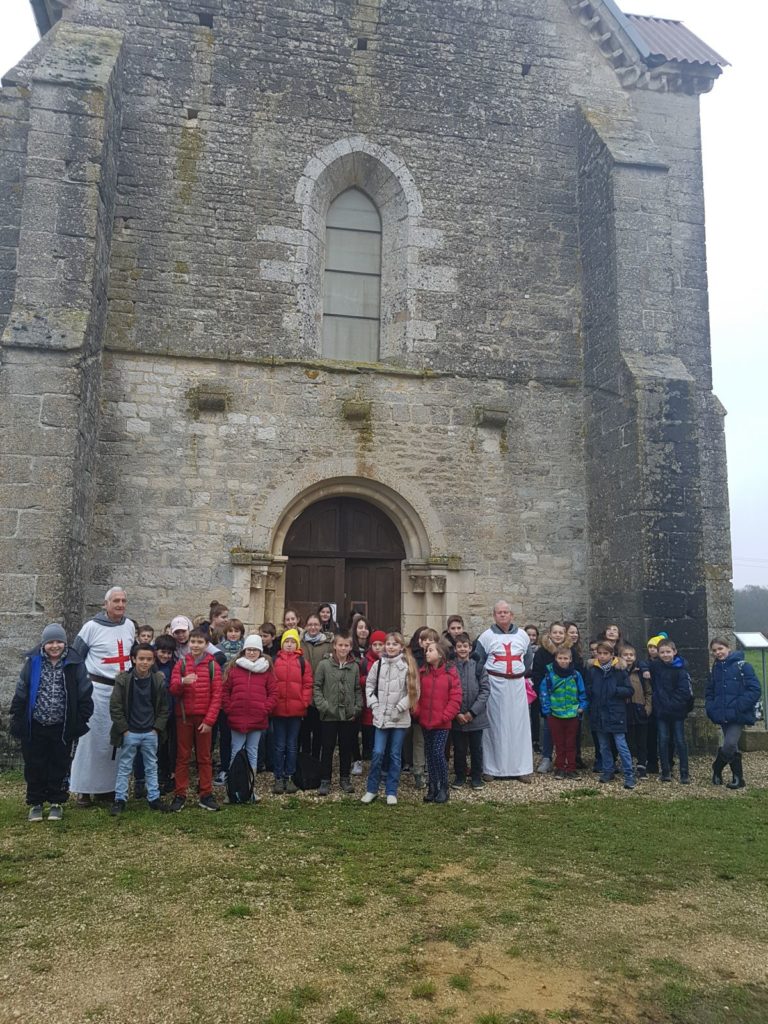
{"x": 348, "y": 551}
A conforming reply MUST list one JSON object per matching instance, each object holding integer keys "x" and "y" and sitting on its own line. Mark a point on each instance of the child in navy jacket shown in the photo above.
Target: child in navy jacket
{"x": 672, "y": 703}
{"x": 50, "y": 709}
{"x": 608, "y": 688}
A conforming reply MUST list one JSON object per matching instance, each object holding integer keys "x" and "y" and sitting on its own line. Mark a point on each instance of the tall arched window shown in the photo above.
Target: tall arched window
{"x": 352, "y": 286}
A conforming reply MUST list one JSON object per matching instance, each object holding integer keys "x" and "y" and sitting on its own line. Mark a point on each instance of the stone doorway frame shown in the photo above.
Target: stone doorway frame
{"x": 431, "y": 583}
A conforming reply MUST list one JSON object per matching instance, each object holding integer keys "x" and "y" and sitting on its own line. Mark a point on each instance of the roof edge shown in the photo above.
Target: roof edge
{"x": 636, "y": 66}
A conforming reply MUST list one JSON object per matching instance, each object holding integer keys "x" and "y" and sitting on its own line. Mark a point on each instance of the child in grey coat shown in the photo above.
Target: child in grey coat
{"x": 468, "y": 725}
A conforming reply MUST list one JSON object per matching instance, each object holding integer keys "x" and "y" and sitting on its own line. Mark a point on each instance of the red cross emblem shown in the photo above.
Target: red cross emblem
{"x": 509, "y": 658}
{"x": 122, "y": 658}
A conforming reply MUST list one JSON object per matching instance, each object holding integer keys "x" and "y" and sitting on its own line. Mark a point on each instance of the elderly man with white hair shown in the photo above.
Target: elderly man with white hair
{"x": 104, "y": 644}
{"x": 504, "y": 651}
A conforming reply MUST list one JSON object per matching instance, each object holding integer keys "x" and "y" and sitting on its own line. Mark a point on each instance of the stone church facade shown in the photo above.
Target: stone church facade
{"x": 220, "y": 377}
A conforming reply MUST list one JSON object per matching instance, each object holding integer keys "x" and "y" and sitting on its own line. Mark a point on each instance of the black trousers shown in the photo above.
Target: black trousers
{"x": 310, "y": 734}
{"x": 637, "y": 738}
{"x": 166, "y": 753}
{"x": 463, "y": 742}
{"x": 345, "y": 733}
{"x": 47, "y": 759}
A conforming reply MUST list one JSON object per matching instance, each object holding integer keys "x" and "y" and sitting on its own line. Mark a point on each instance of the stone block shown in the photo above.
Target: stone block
{"x": 59, "y": 411}
{"x": 17, "y": 592}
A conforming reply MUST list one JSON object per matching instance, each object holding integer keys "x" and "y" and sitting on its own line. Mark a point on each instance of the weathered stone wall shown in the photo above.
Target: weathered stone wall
{"x": 65, "y": 140}
{"x": 543, "y": 398}
{"x": 185, "y": 487}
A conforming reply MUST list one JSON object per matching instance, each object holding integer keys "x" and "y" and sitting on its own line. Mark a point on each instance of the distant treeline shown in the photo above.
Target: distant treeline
{"x": 750, "y": 606}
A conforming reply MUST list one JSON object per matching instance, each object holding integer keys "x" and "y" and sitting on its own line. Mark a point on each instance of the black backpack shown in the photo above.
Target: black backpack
{"x": 307, "y": 774}
{"x": 240, "y": 779}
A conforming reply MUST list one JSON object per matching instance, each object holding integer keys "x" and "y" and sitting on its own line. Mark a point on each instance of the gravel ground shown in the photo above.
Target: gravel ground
{"x": 544, "y": 788}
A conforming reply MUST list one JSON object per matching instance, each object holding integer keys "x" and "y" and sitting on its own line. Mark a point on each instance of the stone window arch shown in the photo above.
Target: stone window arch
{"x": 352, "y": 278}
{"x": 357, "y": 163}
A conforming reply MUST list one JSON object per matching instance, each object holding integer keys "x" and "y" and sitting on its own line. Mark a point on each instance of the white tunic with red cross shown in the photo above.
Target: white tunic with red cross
{"x": 507, "y": 748}
{"x": 108, "y": 649}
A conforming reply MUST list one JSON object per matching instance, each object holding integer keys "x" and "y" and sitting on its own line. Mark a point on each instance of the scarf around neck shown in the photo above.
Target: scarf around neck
{"x": 260, "y": 665}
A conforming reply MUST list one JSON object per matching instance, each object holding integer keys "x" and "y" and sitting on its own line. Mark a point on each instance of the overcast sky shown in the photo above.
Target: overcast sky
{"x": 735, "y": 143}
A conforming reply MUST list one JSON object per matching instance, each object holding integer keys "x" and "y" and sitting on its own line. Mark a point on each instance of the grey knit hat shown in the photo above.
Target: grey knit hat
{"x": 53, "y": 632}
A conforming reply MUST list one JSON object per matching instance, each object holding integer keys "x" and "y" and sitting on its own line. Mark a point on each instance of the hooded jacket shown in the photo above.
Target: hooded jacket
{"x": 386, "y": 692}
{"x": 249, "y": 695}
{"x": 78, "y": 695}
{"x": 672, "y": 690}
{"x": 545, "y": 656}
{"x": 607, "y": 692}
{"x": 440, "y": 698}
{"x": 563, "y": 693}
{"x": 294, "y": 684}
{"x": 201, "y": 699}
{"x": 338, "y": 697}
{"x": 733, "y": 690}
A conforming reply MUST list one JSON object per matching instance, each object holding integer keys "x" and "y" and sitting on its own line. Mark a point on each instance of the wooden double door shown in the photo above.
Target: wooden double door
{"x": 349, "y": 552}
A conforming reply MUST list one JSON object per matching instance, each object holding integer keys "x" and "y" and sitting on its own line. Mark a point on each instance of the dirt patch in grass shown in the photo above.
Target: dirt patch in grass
{"x": 496, "y": 983}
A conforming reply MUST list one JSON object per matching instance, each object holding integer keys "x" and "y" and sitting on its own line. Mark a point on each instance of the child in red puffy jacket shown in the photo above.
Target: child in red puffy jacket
{"x": 249, "y": 697}
{"x": 293, "y": 678}
{"x": 196, "y": 685}
{"x": 439, "y": 703}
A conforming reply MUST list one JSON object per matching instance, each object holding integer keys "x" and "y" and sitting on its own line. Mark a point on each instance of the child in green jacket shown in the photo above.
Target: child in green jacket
{"x": 339, "y": 702}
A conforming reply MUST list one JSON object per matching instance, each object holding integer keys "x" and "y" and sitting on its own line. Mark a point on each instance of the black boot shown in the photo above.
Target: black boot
{"x": 738, "y": 773}
{"x": 717, "y": 767}
{"x": 429, "y": 796}
{"x": 442, "y": 795}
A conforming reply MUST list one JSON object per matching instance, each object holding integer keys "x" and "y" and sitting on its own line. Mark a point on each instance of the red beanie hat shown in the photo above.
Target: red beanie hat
{"x": 378, "y": 636}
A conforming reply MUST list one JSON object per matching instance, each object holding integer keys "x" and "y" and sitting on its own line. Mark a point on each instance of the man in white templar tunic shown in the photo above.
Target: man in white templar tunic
{"x": 104, "y": 643}
{"x": 505, "y": 652}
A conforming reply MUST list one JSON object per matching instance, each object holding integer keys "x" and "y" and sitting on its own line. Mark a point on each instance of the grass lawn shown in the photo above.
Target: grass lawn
{"x": 600, "y": 911}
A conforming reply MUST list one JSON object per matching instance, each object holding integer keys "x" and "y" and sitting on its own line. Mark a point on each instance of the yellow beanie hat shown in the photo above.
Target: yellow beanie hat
{"x": 290, "y": 634}
{"x": 656, "y": 640}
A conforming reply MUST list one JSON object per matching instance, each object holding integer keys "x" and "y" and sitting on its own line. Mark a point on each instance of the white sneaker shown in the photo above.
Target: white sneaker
{"x": 357, "y": 768}
{"x": 35, "y": 813}
{"x": 545, "y": 766}
{"x": 368, "y": 798}
{"x": 391, "y": 800}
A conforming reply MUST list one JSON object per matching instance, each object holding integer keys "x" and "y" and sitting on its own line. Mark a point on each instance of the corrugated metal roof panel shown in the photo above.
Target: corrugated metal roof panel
{"x": 751, "y": 640}
{"x": 673, "y": 41}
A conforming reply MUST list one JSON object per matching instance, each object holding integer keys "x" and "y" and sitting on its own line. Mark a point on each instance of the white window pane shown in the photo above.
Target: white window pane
{"x": 347, "y": 338}
{"x": 352, "y": 250}
{"x": 351, "y": 294}
{"x": 353, "y": 209}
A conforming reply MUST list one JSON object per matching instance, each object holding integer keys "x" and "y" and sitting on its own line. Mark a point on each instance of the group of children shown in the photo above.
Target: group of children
{"x": 319, "y": 688}
{"x": 637, "y": 708}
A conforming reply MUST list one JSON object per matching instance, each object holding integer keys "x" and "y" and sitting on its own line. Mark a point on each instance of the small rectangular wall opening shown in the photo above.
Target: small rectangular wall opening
{"x": 205, "y": 19}
{"x": 362, "y": 43}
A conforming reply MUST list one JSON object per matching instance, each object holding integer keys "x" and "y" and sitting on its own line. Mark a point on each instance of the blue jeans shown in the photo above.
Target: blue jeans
{"x": 249, "y": 740}
{"x": 383, "y": 738}
{"x": 675, "y": 727}
{"x": 606, "y": 756}
{"x": 286, "y": 743}
{"x": 146, "y": 742}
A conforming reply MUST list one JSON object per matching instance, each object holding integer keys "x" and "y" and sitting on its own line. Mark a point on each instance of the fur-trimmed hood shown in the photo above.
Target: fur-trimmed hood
{"x": 551, "y": 646}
